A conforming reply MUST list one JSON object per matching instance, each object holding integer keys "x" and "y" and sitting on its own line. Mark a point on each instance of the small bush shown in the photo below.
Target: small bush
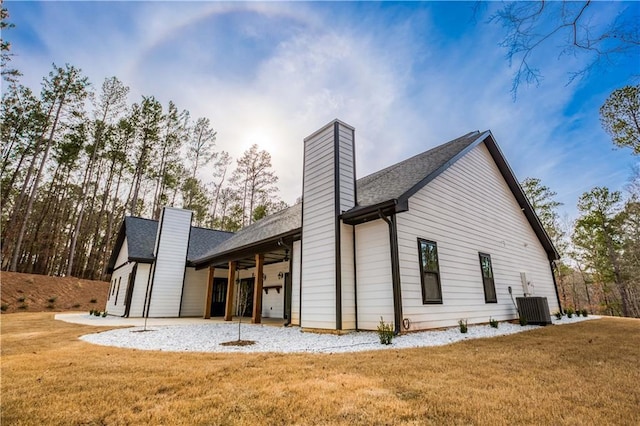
{"x": 50, "y": 306}
{"x": 569, "y": 312}
{"x": 523, "y": 321}
{"x": 585, "y": 313}
{"x": 385, "y": 332}
{"x": 463, "y": 326}
{"x": 558, "y": 315}
{"x": 23, "y": 306}
{"x": 91, "y": 311}
{"x": 52, "y": 299}
{"x": 493, "y": 322}
{"x": 4, "y": 307}
{"x": 21, "y": 299}
{"x": 94, "y": 300}
{"x": 104, "y": 314}
{"x": 96, "y": 313}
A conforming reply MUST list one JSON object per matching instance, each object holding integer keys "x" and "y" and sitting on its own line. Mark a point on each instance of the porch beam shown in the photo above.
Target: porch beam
{"x": 207, "y": 305}
{"x": 228, "y": 309}
{"x": 256, "y": 318}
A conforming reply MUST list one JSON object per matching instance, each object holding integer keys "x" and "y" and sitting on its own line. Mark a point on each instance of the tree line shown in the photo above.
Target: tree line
{"x": 76, "y": 160}
{"x": 600, "y": 266}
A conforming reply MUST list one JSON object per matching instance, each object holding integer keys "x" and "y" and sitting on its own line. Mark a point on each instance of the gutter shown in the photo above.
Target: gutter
{"x": 395, "y": 271}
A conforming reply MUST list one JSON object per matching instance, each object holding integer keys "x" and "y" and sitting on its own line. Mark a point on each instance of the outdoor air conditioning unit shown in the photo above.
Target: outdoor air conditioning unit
{"x": 534, "y": 309}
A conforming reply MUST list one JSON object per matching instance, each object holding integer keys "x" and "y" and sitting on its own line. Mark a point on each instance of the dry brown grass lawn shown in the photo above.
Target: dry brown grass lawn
{"x": 586, "y": 373}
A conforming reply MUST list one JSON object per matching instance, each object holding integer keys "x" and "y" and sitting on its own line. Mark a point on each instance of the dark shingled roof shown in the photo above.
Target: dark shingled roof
{"x": 394, "y": 181}
{"x": 202, "y": 240}
{"x": 141, "y": 239}
{"x": 272, "y": 226}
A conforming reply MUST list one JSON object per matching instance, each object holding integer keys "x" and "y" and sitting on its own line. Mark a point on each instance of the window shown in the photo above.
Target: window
{"x": 487, "y": 279}
{"x": 429, "y": 272}
{"x": 117, "y": 291}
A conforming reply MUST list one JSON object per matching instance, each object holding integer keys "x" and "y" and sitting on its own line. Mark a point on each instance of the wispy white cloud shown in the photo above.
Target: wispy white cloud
{"x": 272, "y": 73}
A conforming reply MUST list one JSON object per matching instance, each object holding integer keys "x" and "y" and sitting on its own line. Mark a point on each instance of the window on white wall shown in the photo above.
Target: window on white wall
{"x": 429, "y": 271}
{"x": 487, "y": 279}
{"x": 117, "y": 291}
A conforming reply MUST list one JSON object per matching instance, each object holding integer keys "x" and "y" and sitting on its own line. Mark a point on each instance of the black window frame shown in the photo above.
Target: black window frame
{"x": 484, "y": 279}
{"x": 117, "y": 291}
{"x": 435, "y": 272}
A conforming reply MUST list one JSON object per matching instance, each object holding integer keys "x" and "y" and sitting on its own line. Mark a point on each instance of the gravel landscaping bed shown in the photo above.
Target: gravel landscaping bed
{"x": 209, "y": 338}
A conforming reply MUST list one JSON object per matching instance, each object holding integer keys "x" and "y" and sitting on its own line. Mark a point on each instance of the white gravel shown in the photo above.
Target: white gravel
{"x": 208, "y": 337}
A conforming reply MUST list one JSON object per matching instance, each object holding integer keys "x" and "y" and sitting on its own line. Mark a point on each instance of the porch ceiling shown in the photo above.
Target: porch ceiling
{"x": 274, "y": 256}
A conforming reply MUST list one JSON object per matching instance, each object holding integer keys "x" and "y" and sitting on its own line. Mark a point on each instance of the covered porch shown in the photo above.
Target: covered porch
{"x": 257, "y": 283}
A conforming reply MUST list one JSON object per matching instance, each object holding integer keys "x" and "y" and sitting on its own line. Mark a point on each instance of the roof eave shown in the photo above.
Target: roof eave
{"x": 243, "y": 251}
{"x": 363, "y": 214}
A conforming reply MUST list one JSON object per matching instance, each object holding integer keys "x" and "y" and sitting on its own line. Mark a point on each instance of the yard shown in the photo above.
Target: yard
{"x": 585, "y": 373}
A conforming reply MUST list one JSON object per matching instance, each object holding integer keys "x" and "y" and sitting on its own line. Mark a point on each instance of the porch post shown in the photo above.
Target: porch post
{"x": 256, "y": 318}
{"x": 228, "y": 310}
{"x": 207, "y": 305}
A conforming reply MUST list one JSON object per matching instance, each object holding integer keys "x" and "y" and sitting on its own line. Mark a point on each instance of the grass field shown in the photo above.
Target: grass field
{"x": 585, "y": 373}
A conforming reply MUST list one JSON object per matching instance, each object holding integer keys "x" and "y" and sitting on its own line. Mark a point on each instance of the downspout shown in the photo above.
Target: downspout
{"x": 355, "y": 276}
{"x": 553, "y": 266}
{"x": 287, "y": 247}
{"x": 395, "y": 271}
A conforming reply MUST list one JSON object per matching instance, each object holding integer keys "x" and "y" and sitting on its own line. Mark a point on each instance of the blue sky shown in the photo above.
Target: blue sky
{"x": 407, "y": 76}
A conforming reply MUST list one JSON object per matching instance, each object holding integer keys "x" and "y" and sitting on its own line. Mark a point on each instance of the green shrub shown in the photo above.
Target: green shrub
{"x": 523, "y": 321}
{"x": 50, "y": 306}
{"x": 493, "y": 322}
{"x": 21, "y": 299}
{"x": 463, "y": 326}
{"x": 4, "y": 307}
{"x": 52, "y": 299}
{"x": 385, "y": 332}
{"x": 94, "y": 300}
{"x": 569, "y": 312}
{"x": 96, "y": 313}
{"x": 104, "y": 314}
{"x": 558, "y": 315}
{"x": 585, "y": 313}
{"x": 91, "y": 311}
{"x": 23, "y": 306}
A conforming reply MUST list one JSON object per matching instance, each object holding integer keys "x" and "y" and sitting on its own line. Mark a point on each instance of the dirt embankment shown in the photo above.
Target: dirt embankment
{"x": 37, "y": 293}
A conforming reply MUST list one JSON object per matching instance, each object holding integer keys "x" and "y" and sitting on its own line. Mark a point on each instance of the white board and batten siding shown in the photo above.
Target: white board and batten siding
{"x": 119, "y": 281}
{"x": 318, "y": 291}
{"x": 347, "y": 275}
{"x": 118, "y": 289}
{"x": 169, "y": 269}
{"x": 467, "y": 210}
{"x": 123, "y": 256}
{"x": 373, "y": 273}
{"x": 139, "y": 290}
{"x": 194, "y": 293}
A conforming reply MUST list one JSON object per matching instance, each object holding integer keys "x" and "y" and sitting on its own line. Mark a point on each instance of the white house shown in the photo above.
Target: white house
{"x": 442, "y": 236}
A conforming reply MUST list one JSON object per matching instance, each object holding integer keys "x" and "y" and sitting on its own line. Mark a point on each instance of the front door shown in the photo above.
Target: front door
{"x": 219, "y": 297}
{"x": 245, "y": 297}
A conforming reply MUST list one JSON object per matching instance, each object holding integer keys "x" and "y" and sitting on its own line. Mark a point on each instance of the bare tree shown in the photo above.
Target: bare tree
{"x": 569, "y": 26}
